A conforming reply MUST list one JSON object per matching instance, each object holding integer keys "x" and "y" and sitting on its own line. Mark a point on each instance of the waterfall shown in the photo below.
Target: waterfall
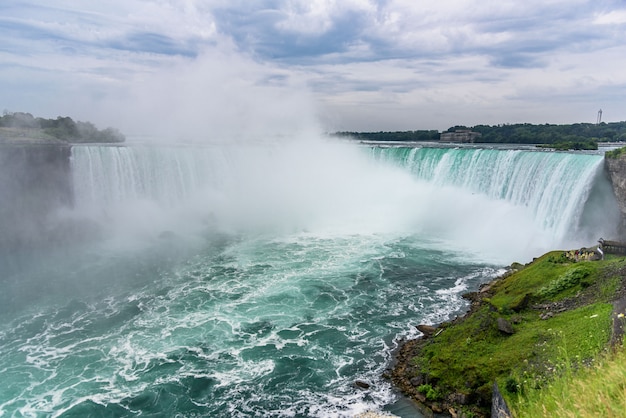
{"x": 559, "y": 189}
{"x": 478, "y": 199}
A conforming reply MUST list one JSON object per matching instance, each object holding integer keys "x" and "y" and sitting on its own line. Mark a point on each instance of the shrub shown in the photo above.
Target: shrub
{"x": 616, "y": 153}
{"x": 432, "y": 394}
{"x": 572, "y": 277}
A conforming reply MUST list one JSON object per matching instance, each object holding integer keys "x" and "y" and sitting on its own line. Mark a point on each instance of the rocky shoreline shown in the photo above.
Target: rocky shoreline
{"x": 408, "y": 379}
{"x": 471, "y": 400}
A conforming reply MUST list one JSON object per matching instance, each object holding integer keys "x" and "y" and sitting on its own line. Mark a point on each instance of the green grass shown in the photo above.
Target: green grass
{"x": 469, "y": 355}
{"x": 589, "y": 392}
{"x": 474, "y": 354}
{"x": 510, "y": 293}
{"x": 568, "y": 340}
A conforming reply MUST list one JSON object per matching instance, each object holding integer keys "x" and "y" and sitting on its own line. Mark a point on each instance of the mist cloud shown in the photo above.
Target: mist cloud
{"x": 219, "y": 95}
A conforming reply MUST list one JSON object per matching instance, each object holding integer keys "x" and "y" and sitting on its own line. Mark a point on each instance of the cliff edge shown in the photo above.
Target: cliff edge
{"x": 615, "y": 165}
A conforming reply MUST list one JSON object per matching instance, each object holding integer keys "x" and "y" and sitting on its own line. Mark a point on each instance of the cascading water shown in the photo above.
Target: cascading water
{"x": 554, "y": 188}
{"x": 249, "y": 280}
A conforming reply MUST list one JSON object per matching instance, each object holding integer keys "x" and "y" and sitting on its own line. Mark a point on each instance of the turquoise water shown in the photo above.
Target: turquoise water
{"x": 235, "y": 282}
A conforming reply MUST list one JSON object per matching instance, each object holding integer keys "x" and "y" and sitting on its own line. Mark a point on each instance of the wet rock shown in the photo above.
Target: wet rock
{"x": 417, "y": 380}
{"x": 427, "y": 330}
{"x": 471, "y": 296}
{"x": 437, "y": 409}
{"x": 458, "y": 398}
{"x": 362, "y": 384}
{"x": 420, "y": 397}
{"x": 487, "y": 287}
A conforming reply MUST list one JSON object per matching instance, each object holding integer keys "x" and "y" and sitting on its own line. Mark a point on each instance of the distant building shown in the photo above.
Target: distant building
{"x": 460, "y": 135}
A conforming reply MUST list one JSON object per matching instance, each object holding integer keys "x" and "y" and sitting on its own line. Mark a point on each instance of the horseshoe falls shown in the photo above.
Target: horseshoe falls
{"x": 266, "y": 279}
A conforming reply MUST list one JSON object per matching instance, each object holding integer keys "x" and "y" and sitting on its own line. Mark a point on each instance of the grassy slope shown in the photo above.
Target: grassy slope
{"x": 471, "y": 353}
{"x": 597, "y": 391}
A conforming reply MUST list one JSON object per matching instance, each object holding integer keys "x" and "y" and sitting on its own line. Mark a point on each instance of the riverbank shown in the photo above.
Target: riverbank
{"x": 521, "y": 331}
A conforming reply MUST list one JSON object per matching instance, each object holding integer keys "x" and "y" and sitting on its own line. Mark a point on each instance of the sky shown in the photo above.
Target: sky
{"x": 345, "y": 65}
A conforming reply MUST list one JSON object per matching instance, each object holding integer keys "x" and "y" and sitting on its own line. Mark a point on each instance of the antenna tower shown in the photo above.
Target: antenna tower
{"x": 599, "y": 117}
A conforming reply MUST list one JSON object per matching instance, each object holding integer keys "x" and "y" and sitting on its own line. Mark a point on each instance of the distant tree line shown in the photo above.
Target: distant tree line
{"x": 576, "y": 136}
{"x": 391, "y": 136}
{"x": 63, "y": 128}
{"x": 526, "y": 133}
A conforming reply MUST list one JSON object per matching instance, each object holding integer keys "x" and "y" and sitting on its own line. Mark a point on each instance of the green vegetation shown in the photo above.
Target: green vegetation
{"x": 616, "y": 153}
{"x": 579, "y": 136}
{"x": 571, "y": 279}
{"x": 560, "y": 313}
{"x": 590, "y": 144}
{"x": 22, "y": 127}
{"x": 590, "y": 392}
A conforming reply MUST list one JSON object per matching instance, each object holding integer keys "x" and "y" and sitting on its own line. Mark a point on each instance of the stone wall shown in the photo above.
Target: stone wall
{"x": 616, "y": 169}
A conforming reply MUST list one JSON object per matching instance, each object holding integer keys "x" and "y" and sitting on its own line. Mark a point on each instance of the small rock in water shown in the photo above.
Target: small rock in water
{"x": 362, "y": 384}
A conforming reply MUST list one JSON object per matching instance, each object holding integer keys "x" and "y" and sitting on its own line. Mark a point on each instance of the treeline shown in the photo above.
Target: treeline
{"x": 578, "y": 135}
{"x": 62, "y": 128}
{"x": 392, "y": 136}
{"x": 526, "y": 133}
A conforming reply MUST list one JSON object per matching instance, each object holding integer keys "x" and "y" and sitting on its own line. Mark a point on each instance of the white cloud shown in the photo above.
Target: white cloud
{"x": 394, "y": 64}
{"x": 614, "y": 17}
{"x": 318, "y": 16}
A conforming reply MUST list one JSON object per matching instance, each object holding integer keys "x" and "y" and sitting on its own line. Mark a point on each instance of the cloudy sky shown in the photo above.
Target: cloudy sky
{"x": 358, "y": 65}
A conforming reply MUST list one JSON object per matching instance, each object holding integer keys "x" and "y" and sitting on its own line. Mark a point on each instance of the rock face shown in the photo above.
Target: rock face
{"x": 35, "y": 180}
{"x": 616, "y": 169}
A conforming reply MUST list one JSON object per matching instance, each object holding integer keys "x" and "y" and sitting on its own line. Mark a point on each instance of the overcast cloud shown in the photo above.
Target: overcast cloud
{"x": 359, "y": 65}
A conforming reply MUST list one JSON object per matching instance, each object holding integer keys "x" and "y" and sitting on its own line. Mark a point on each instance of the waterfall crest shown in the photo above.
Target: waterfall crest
{"x": 477, "y": 198}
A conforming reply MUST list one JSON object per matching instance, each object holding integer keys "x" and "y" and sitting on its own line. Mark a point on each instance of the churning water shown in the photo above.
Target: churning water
{"x": 249, "y": 280}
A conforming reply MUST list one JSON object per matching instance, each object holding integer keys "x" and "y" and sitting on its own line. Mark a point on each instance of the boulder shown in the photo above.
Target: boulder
{"x": 505, "y": 326}
{"x": 427, "y": 330}
{"x": 458, "y": 398}
{"x": 418, "y": 380}
{"x": 362, "y": 384}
